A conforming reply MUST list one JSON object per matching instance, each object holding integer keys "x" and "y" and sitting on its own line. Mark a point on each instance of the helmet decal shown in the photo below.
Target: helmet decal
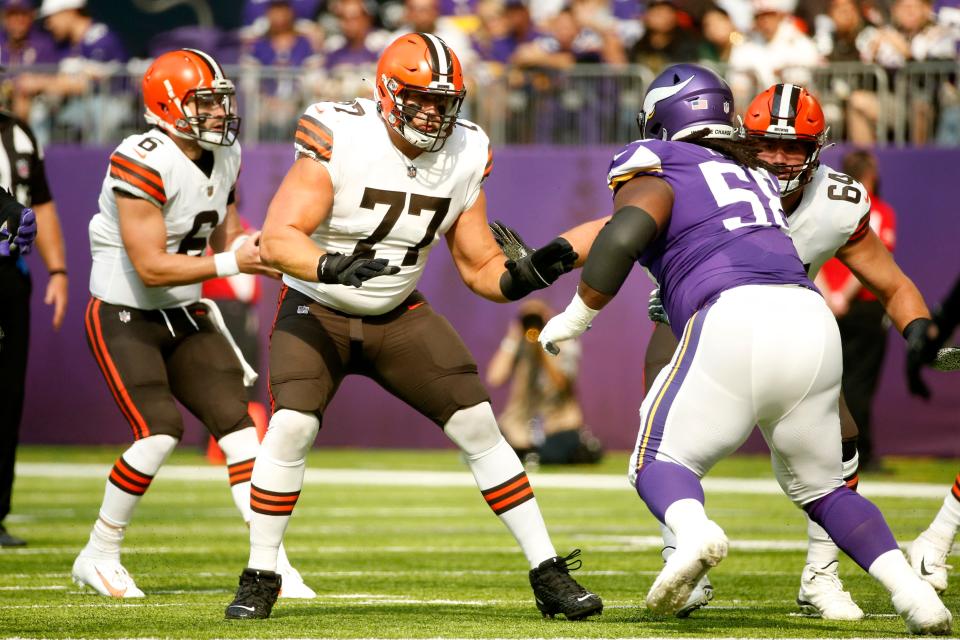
{"x": 684, "y": 99}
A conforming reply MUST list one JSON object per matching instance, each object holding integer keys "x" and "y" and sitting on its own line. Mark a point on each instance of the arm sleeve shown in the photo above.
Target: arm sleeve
{"x": 617, "y": 248}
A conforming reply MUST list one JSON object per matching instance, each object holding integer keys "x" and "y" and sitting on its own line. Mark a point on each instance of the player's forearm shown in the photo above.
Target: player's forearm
{"x": 903, "y": 303}
{"x": 582, "y": 236}
{"x": 291, "y": 251}
{"x": 485, "y": 281}
{"x": 50, "y": 237}
{"x": 171, "y": 269}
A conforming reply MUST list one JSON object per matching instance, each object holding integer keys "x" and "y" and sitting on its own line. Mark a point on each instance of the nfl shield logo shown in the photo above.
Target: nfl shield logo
{"x": 124, "y": 316}
{"x": 23, "y": 168}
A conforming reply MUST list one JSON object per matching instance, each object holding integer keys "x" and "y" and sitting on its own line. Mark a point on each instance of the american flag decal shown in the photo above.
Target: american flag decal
{"x": 699, "y": 104}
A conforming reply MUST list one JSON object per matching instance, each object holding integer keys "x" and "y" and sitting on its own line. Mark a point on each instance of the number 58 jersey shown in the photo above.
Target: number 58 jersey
{"x": 152, "y": 167}
{"x": 385, "y": 205}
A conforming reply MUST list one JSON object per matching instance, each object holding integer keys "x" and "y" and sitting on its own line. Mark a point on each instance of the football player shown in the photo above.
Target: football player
{"x": 828, "y": 214}
{"x": 375, "y": 185}
{"x": 167, "y": 193}
{"x": 758, "y": 344}
{"x": 928, "y": 553}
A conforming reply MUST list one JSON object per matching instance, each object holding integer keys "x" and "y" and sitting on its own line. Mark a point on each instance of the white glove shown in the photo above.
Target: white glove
{"x": 574, "y": 320}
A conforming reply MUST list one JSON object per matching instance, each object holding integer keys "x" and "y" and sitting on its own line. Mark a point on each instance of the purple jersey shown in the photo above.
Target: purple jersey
{"x": 302, "y": 9}
{"x": 37, "y": 48}
{"x": 266, "y": 54}
{"x": 98, "y": 44}
{"x": 726, "y": 229}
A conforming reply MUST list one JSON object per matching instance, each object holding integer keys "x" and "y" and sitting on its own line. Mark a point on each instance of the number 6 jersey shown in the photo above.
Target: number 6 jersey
{"x": 385, "y": 205}
{"x": 152, "y": 167}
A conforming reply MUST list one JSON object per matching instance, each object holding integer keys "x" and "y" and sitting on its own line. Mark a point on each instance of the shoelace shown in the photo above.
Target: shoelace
{"x": 830, "y": 576}
{"x": 559, "y": 578}
{"x": 256, "y": 592}
{"x": 571, "y": 562}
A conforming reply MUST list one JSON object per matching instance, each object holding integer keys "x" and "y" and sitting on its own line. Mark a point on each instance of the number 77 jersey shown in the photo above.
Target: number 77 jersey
{"x": 726, "y": 228}
{"x": 151, "y": 166}
{"x": 385, "y": 205}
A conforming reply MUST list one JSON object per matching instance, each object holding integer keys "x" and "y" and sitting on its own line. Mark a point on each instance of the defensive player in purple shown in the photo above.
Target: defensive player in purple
{"x": 759, "y": 346}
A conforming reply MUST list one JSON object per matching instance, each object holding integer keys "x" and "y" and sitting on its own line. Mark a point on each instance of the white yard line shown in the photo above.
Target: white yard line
{"x": 754, "y": 486}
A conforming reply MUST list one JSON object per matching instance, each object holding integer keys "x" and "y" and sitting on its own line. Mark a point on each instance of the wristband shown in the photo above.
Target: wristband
{"x": 226, "y": 263}
{"x": 579, "y": 314}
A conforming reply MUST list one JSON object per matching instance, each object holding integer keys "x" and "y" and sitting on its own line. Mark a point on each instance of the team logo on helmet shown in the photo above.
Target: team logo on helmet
{"x": 684, "y": 99}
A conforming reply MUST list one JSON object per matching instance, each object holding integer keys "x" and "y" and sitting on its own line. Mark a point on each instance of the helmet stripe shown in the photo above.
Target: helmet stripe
{"x": 440, "y": 58}
{"x": 786, "y": 100}
{"x": 215, "y": 70}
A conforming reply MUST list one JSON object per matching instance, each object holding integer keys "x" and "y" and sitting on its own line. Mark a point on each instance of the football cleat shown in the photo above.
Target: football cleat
{"x": 822, "y": 594}
{"x": 685, "y": 568}
{"x": 106, "y": 577}
{"x": 921, "y": 608}
{"x": 928, "y": 557}
{"x": 256, "y": 595}
{"x": 700, "y": 597}
{"x": 293, "y": 585}
{"x": 556, "y": 592}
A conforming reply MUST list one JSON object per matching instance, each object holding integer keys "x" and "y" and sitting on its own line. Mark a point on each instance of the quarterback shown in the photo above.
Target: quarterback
{"x": 167, "y": 193}
{"x": 374, "y": 186}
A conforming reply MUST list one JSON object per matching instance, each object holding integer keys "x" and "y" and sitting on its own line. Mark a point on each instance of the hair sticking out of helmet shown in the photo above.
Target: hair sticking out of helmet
{"x": 419, "y": 89}
{"x": 186, "y": 93}
{"x": 789, "y": 112}
{"x": 684, "y": 99}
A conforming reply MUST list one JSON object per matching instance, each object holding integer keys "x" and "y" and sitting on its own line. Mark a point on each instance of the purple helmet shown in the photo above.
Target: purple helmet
{"x": 685, "y": 98}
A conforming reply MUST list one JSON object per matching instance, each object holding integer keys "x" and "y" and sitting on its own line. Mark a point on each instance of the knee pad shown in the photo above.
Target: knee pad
{"x": 148, "y": 454}
{"x": 290, "y": 435}
{"x": 474, "y": 429}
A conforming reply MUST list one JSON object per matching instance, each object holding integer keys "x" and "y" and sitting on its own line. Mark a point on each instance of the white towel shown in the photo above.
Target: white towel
{"x": 249, "y": 375}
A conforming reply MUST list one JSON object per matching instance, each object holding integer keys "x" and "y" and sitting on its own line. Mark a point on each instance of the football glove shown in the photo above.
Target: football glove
{"x": 18, "y": 230}
{"x": 921, "y": 350}
{"x": 655, "y": 310}
{"x": 569, "y": 324}
{"x": 510, "y": 241}
{"x": 538, "y": 269}
{"x": 352, "y": 270}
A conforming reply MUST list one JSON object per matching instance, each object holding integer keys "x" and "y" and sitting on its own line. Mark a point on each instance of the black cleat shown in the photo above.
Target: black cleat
{"x": 556, "y": 592}
{"x": 256, "y": 595}
{"x": 10, "y": 540}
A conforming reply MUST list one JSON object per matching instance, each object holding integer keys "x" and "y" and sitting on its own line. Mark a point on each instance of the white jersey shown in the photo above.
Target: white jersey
{"x": 385, "y": 205}
{"x": 151, "y": 166}
{"x": 833, "y": 209}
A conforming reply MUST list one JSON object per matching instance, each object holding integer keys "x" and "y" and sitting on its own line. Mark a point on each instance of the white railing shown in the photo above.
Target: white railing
{"x": 587, "y": 104}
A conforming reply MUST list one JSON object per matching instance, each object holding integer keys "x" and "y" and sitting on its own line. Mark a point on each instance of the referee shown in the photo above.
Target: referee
{"x": 22, "y": 175}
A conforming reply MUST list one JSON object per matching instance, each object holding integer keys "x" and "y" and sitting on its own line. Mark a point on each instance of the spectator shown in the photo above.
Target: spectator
{"x": 664, "y": 41}
{"x": 519, "y": 29}
{"x": 912, "y": 35}
{"x": 542, "y": 421}
{"x": 839, "y": 36}
{"x": 92, "y": 53}
{"x": 860, "y": 316}
{"x": 424, "y": 16}
{"x": 491, "y": 27}
{"x": 719, "y": 35}
{"x": 775, "y": 51}
{"x": 21, "y": 43}
{"x": 255, "y": 17}
{"x": 570, "y": 42}
{"x": 280, "y": 46}
{"x": 357, "y": 44}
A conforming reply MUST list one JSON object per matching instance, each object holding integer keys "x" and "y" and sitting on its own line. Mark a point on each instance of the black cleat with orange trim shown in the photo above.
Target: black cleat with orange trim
{"x": 256, "y": 595}
{"x": 556, "y": 592}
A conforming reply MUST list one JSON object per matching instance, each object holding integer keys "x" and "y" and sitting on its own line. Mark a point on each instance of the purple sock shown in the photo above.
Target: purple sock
{"x": 854, "y": 523}
{"x": 660, "y": 484}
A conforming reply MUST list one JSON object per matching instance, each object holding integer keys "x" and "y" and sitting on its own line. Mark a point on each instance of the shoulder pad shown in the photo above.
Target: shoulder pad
{"x": 138, "y": 165}
{"x": 638, "y": 157}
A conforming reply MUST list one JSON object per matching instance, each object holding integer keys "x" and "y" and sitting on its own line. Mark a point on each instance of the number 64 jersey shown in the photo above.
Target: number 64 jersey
{"x": 385, "y": 205}
{"x": 151, "y": 166}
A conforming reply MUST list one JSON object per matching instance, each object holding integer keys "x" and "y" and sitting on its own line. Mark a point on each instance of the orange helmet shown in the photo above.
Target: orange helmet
{"x": 789, "y": 112}
{"x": 419, "y": 68}
{"x": 182, "y": 90}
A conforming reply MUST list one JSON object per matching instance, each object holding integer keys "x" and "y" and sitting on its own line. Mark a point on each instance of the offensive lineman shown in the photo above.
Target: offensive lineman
{"x": 731, "y": 275}
{"x": 374, "y": 186}
{"x": 167, "y": 192}
{"x": 828, "y": 214}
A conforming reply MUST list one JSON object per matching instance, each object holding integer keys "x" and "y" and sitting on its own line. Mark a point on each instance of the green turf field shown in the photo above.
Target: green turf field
{"x": 397, "y": 560}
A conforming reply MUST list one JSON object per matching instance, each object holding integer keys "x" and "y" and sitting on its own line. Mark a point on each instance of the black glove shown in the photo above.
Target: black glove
{"x": 538, "y": 269}
{"x": 921, "y": 350}
{"x": 352, "y": 270}
{"x": 510, "y": 241}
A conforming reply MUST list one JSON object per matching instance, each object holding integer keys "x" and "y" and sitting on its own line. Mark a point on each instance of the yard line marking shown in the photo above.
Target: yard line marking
{"x": 573, "y": 481}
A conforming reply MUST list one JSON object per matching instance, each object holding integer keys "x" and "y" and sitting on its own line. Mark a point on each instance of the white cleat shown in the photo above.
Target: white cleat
{"x": 928, "y": 557}
{"x": 822, "y": 594}
{"x": 292, "y": 586}
{"x": 683, "y": 570}
{"x": 700, "y": 597}
{"x": 107, "y": 577}
{"x": 921, "y": 608}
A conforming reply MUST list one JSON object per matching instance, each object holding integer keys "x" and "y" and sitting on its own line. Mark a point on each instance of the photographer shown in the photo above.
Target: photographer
{"x": 542, "y": 392}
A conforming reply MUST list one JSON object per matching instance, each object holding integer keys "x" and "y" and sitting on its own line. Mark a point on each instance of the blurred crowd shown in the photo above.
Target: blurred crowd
{"x": 66, "y": 67}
